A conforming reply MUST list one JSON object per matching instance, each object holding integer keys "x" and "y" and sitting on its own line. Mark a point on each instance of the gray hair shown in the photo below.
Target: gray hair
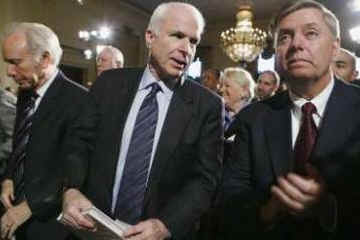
{"x": 160, "y": 13}
{"x": 241, "y": 77}
{"x": 116, "y": 53}
{"x": 39, "y": 39}
{"x": 329, "y": 17}
{"x": 274, "y": 74}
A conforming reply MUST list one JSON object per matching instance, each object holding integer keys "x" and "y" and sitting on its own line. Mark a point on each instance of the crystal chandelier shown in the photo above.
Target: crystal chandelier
{"x": 243, "y": 43}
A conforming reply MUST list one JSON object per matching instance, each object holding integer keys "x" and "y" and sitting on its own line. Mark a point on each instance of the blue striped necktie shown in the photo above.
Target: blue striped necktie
{"x": 20, "y": 140}
{"x": 133, "y": 183}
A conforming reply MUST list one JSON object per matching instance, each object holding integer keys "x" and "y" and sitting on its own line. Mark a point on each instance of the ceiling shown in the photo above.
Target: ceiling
{"x": 218, "y": 11}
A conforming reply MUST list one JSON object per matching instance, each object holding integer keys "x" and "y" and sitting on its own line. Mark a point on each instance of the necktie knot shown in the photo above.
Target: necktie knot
{"x": 155, "y": 88}
{"x": 308, "y": 109}
{"x": 30, "y": 97}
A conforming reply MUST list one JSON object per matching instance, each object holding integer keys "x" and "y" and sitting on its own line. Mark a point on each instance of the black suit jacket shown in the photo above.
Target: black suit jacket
{"x": 60, "y": 141}
{"x": 263, "y": 151}
{"x": 187, "y": 162}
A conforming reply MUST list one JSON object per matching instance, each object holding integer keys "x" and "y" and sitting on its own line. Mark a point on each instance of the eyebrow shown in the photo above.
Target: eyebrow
{"x": 12, "y": 60}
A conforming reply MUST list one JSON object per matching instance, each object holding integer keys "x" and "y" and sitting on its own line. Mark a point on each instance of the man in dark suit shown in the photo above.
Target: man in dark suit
{"x": 186, "y": 148}
{"x": 295, "y": 162}
{"x": 52, "y": 137}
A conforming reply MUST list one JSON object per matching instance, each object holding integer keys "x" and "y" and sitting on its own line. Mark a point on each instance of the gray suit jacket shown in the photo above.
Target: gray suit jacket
{"x": 7, "y": 120}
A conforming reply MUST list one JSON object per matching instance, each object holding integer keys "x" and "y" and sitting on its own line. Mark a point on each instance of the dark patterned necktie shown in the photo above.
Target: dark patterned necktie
{"x": 133, "y": 183}
{"x": 20, "y": 140}
{"x": 306, "y": 138}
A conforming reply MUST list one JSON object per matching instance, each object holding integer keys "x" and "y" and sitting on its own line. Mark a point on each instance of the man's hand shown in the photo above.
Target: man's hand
{"x": 7, "y": 193}
{"x": 151, "y": 229}
{"x": 299, "y": 194}
{"x": 13, "y": 218}
{"x": 74, "y": 202}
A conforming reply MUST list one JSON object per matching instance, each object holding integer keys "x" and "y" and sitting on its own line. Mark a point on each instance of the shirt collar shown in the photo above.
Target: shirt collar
{"x": 41, "y": 91}
{"x": 147, "y": 79}
{"x": 319, "y": 101}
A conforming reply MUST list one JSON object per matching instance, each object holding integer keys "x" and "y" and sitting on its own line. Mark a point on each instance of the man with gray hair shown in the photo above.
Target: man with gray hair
{"x": 109, "y": 58}
{"x": 344, "y": 65}
{"x": 295, "y": 165}
{"x": 157, "y": 159}
{"x": 54, "y": 127}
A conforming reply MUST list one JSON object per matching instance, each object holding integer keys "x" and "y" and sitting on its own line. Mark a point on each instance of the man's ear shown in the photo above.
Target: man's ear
{"x": 355, "y": 74}
{"x": 45, "y": 60}
{"x": 149, "y": 38}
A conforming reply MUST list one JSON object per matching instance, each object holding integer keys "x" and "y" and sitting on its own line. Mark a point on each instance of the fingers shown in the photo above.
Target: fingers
{"x": 7, "y": 193}
{"x": 6, "y": 200}
{"x": 12, "y": 231}
{"x": 135, "y": 230}
{"x": 309, "y": 186}
{"x": 298, "y": 193}
{"x": 77, "y": 220}
{"x": 73, "y": 205}
{"x": 286, "y": 200}
{"x": 6, "y": 224}
{"x": 292, "y": 190}
{"x": 149, "y": 229}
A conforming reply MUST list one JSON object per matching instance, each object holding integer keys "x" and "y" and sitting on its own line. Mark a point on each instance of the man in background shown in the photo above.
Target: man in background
{"x": 7, "y": 121}
{"x": 109, "y": 58}
{"x": 211, "y": 80}
{"x": 268, "y": 83}
{"x": 344, "y": 65}
{"x": 53, "y": 134}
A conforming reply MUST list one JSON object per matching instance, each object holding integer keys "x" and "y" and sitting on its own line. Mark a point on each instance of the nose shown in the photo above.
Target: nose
{"x": 297, "y": 41}
{"x": 186, "y": 46}
{"x": 222, "y": 90}
{"x": 260, "y": 85}
{"x": 11, "y": 70}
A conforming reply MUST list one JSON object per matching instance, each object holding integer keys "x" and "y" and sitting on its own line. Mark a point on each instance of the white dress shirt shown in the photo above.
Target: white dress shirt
{"x": 163, "y": 98}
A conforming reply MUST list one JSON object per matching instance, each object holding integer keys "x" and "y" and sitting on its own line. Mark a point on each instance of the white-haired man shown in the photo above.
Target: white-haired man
{"x": 52, "y": 136}
{"x": 109, "y": 58}
{"x": 159, "y": 171}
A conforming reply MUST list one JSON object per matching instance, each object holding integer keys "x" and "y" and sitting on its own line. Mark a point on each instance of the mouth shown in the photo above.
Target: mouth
{"x": 179, "y": 63}
{"x": 297, "y": 61}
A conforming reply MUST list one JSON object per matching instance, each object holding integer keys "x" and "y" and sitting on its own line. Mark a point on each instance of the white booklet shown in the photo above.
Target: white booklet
{"x": 106, "y": 227}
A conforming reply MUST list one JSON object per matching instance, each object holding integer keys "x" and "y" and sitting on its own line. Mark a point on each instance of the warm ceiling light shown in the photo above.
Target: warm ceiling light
{"x": 354, "y": 5}
{"x": 355, "y": 34}
{"x": 243, "y": 43}
{"x": 104, "y": 32}
{"x": 88, "y": 54}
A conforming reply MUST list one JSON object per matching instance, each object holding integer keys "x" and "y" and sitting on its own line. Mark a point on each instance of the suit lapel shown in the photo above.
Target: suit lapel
{"x": 178, "y": 117}
{"x": 49, "y": 99}
{"x": 336, "y": 114}
{"x": 278, "y": 135}
{"x": 125, "y": 93}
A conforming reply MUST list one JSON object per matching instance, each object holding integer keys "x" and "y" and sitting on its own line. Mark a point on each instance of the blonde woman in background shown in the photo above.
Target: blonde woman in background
{"x": 238, "y": 89}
